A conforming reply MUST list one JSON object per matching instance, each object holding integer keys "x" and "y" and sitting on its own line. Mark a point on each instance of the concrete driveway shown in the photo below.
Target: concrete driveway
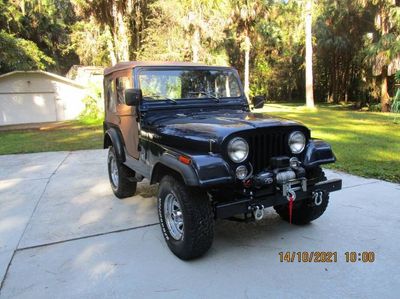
{"x": 64, "y": 235}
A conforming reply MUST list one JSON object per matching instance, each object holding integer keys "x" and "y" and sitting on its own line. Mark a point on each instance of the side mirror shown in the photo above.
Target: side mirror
{"x": 258, "y": 101}
{"x": 133, "y": 96}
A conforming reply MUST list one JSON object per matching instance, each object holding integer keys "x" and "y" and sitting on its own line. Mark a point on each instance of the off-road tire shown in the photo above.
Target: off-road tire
{"x": 198, "y": 220}
{"x": 305, "y": 211}
{"x": 126, "y": 185}
{"x": 316, "y": 174}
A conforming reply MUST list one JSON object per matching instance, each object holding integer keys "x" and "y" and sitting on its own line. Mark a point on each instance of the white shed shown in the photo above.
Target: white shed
{"x": 37, "y": 96}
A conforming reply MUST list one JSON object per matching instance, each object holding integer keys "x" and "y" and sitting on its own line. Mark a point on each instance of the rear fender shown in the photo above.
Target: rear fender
{"x": 113, "y": 137}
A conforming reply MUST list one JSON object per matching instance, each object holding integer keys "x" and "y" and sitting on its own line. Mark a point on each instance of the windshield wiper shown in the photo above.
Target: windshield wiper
{"x": 162, "y": 98}
{"x": 208, "y": 94}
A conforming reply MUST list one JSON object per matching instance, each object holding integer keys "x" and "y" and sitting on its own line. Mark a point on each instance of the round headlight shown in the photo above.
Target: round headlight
{"x": 297, "y": 142}
{"x": 238, "y": 149}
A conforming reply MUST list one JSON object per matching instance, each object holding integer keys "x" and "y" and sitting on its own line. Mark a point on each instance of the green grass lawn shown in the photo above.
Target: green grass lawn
{"x": 66, "y": 136}
{"x": 365, "y": 143}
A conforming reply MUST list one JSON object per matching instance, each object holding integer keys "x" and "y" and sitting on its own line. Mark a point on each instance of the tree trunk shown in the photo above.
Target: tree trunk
{"x": 384, "y": 87}
{"x": 384, "y": 91}
{"x": 111, "y": 48}
{"x": 22, "y": 6}
{"x": 247, "y": 45}
{"x": 122, "y": 38}
{"x": 309, "y": 72}
{"x": 330, "y": 73}
{"x": 195, "y": 45}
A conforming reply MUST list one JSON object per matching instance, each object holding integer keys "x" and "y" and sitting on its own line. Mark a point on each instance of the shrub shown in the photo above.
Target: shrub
{"x": 395, "y": 108}
{"x": 93, "y": 104}
{"x": 375, "y": 107}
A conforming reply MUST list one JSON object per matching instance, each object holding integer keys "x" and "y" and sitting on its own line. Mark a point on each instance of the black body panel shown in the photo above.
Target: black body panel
{"x": 197, "y": 127}
{"x": 317, "y": 153}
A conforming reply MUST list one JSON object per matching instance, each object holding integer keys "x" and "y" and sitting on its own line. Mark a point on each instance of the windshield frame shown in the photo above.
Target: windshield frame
{"x": 239, "y": 100}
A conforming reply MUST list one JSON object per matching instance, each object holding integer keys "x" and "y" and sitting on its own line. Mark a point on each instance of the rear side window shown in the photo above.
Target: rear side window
{"x": 110, "y": 96}
{"x": 122, "y": 84}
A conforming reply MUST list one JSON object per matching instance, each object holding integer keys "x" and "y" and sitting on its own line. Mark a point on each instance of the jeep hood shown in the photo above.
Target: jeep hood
{"x": 195, "y": 130}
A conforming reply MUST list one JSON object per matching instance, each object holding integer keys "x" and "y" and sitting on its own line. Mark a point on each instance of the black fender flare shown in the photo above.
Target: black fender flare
{"x": 116, "y": 141}
{"x": 171, "y": 162}
{"x": 203, "y": 171}
{"x": 318, "y": 152}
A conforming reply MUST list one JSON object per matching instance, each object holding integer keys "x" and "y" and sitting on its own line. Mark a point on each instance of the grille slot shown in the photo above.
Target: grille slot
{"x": 265, "y": 145}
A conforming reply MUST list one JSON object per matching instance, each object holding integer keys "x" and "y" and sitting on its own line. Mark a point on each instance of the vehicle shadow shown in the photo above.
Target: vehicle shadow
{"x": 271, "y": 233}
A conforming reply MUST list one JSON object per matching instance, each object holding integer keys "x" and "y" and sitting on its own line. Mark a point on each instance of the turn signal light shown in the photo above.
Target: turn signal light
{"x": 184, "y": 160}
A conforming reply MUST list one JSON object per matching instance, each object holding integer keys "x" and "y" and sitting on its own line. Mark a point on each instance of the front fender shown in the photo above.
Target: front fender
{"x": 318, "y": 152}
{"x": 203, "y": 171}
{"x": 212, "y": 170}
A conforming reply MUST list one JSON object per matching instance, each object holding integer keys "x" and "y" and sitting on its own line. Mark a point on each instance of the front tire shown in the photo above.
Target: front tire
{"x": 186, "y": 218}
{"x": 122, "y": 178}
{"x": 305, "y": 211}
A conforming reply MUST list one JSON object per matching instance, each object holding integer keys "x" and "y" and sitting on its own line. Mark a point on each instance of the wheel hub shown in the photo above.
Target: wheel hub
{"x": 114, "y": 172}
{"x": 173, "y": 216}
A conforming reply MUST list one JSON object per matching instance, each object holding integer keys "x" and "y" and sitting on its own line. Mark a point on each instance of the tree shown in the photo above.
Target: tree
{"x": 108, "y": 15}
{"x": 308, "y": 61}
{"x": 340, "y": 29}
{"x": 123, "y": 20}
{"x": 277, "y": 52}
{"x": 20, "y": 54}
{"x": 244, "y": 17}
{"x": 91, "y": 43}
{"x": 46, "y": 24}
{"x": 385, "y": 45}
{"x": 186, "y": 30}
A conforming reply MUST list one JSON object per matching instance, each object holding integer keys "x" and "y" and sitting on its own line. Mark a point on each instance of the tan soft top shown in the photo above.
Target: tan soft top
{"x": 131, "y": 64}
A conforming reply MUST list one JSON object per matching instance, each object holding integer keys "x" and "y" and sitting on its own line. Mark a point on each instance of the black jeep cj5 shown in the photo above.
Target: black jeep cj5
{"x": 188, "y": 127}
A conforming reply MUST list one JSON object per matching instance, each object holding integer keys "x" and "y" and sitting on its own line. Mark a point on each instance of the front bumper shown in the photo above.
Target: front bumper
{"x": 245, "y": 205}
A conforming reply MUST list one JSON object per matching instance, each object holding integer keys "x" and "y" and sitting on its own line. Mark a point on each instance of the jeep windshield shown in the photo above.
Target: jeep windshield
{"x": 173, "y": 85}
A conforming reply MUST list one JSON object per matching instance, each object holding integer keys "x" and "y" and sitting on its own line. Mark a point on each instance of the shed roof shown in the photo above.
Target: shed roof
{"x": 131, "y": 64}
{"x": 51, "y": 75}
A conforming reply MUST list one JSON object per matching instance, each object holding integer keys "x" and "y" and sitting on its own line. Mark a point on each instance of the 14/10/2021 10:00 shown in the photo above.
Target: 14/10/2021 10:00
{"x": 325, "y": 256}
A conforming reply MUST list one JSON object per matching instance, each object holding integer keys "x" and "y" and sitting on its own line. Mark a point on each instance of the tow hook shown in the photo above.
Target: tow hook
{"x": 258, "y": 212}
{"x": 291, "y": 194}
{"x": 317, "y": 196}
{"x": 291, "y": 197}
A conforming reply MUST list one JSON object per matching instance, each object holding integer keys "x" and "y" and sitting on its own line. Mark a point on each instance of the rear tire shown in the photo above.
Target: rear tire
{"x": 122, "y": 178}
{"x": 186, "y": 218}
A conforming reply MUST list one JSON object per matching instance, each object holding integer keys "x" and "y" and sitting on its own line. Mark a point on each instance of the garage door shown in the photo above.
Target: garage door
{"x": 23, "y": 108}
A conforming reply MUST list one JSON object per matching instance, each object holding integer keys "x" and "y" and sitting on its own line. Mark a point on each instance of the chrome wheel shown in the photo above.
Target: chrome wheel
{"x": 173, "y": 216}
{"x": 114, "y": 172}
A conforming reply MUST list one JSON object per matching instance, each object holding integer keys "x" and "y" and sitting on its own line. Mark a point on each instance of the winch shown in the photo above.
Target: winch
{"x": 285, "y": 176}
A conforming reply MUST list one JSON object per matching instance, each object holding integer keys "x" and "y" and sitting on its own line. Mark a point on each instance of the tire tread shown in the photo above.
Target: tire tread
{"x": 199, "y": 225}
